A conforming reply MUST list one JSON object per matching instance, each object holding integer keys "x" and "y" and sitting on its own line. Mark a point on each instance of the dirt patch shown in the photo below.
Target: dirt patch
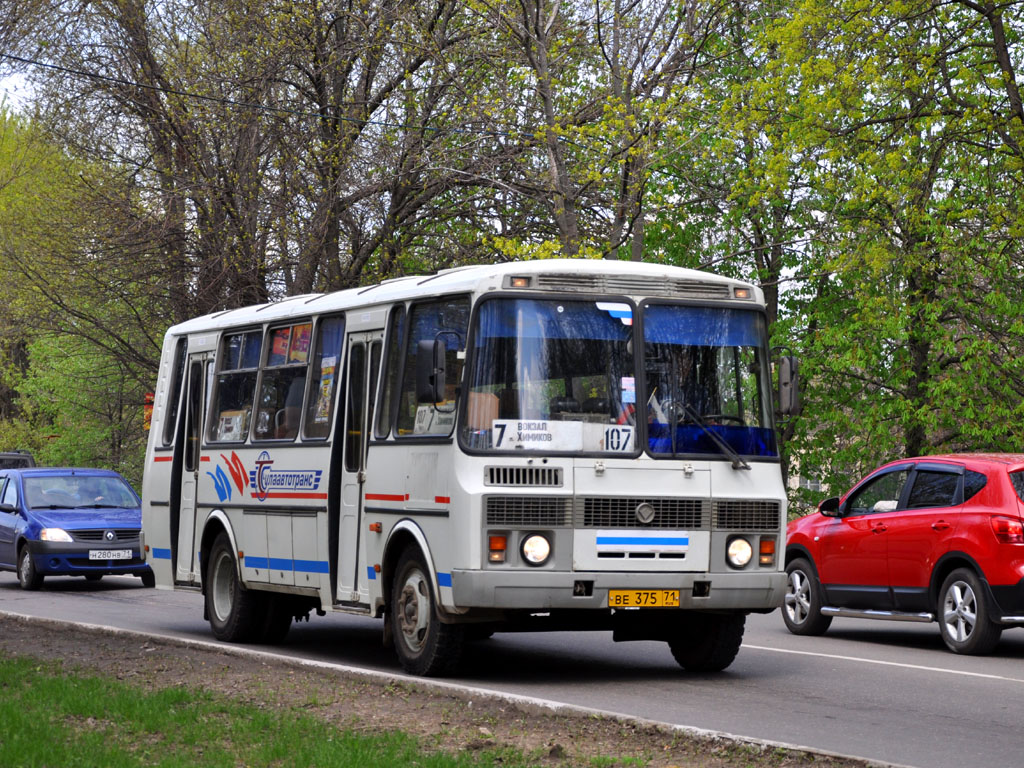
{"x": 443, "y": 721}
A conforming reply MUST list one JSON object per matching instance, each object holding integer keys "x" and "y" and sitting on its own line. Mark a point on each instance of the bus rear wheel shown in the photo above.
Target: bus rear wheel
{"x": 708, "y": 642}
{"x": 424, "y": 644}
{"x": 234, "y": 612}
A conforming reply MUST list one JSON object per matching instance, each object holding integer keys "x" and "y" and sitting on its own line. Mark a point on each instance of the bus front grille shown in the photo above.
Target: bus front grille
{"x": 746, "y": 514}
{"x": 619, "y": 512}
{"x": 529, "y": 511}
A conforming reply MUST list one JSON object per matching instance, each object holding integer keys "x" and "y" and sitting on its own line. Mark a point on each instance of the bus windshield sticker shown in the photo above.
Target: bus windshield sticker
{"x": 623, "y": 312}
{"x": 628, "y": 390}
{"x": 545, "y": 435}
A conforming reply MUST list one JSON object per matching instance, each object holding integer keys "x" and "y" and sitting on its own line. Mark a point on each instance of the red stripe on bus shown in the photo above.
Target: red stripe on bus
{"x": 162, "y": 458}
{"x": 442, "y": 499}
{"x": 204, "y": 458}
{"x": 387, "y": 497}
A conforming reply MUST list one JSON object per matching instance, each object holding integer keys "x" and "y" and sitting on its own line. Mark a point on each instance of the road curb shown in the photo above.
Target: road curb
{"x": 529, "y": 704}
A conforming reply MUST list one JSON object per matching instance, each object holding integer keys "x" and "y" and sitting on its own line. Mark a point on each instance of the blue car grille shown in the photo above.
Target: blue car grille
{"x": 124, "y": 535}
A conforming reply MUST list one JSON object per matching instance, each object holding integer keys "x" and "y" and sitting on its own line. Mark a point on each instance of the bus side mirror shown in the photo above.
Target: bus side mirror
{"x": 789, "y": 386}
{"x": 430, "y": 371}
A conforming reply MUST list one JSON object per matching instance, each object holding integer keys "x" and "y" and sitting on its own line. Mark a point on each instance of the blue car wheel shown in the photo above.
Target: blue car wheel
{"x": 28, "y": 577}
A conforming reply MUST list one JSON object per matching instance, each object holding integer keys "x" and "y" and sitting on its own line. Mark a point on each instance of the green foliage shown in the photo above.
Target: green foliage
{"x": 862, "y": 162}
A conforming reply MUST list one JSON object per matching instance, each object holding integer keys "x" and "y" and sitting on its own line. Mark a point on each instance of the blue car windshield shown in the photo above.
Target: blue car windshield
{"x": 705, "y": 371}
{"x": 78, "y": 492}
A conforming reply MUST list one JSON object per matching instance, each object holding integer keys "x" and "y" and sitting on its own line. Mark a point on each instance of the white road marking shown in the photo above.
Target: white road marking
{"x": 921, "y": 667}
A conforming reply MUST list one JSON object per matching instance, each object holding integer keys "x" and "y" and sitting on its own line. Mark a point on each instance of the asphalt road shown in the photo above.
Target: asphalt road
{"x": 884, "y": 691}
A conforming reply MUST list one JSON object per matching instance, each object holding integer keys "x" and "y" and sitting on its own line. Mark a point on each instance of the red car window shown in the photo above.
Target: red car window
{"x": 933, "y": 489}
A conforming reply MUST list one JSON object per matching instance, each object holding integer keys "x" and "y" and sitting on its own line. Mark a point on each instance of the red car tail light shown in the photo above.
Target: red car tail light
{"x": 1008, "y": 530}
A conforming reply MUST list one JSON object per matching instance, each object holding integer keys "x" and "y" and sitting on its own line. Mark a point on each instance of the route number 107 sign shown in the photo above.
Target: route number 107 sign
{"x": 546, "y": 435}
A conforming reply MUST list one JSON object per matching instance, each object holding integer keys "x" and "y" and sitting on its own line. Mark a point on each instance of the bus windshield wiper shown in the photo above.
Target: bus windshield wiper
{"x": 721, "y": 442}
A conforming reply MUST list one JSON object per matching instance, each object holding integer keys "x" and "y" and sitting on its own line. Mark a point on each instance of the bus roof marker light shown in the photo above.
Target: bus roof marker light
{"x": 742, "y": 293}
{"x": 519, "y": 282}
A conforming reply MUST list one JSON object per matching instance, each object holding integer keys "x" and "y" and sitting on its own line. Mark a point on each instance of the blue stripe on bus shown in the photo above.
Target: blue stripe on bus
{"x": 311, "y": 566}
{"x": 161, "y": 554}
{"x": 370, "y": 573}
{"x": 444, "y": 579}
{"x": 283, "y": 564}
{"x": 625, "y": 541}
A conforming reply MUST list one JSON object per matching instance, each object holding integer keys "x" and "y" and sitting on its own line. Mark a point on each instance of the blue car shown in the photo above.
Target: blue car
{"x": 70, "y": 522}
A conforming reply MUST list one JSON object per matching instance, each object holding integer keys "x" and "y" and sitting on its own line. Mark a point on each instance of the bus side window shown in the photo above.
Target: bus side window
{"x": 323, "y": 381}
{"x": 392, "y": 371}
{"x": 446, "y": 320}
{"x": 234, "y": 387}
{"x": 283, "y": 383}
{"x": 174, "y": 392}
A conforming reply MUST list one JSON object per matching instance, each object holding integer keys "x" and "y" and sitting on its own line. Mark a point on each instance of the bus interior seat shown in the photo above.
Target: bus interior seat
{"x": 286, "y": 420}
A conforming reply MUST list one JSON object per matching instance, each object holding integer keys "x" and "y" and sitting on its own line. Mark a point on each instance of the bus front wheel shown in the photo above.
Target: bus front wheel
{"x": 708, "y": 642}
{"x": 425, "y": 645}
{"x": 233, "y": 610}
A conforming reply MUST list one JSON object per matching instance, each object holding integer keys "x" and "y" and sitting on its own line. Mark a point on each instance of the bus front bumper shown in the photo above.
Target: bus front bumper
{"x": 553, "y": 590}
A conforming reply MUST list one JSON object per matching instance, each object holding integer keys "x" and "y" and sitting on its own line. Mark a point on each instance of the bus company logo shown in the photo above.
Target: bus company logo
{"x": 266, "y": 481}
{"x": 221, "y": 481}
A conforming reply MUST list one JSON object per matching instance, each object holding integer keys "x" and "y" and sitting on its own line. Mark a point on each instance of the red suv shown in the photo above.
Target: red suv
{"x": 938, "y": 538}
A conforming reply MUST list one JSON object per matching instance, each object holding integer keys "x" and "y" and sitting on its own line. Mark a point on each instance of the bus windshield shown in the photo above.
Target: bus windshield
{"x": 705, "y": 381}
{"x": 558, "y": 376}
{"x": 553, "y": 376}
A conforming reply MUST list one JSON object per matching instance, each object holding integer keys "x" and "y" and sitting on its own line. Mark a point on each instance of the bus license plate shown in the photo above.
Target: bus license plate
{"x": 643, "y": 598}
{"x": 110, "y": 554}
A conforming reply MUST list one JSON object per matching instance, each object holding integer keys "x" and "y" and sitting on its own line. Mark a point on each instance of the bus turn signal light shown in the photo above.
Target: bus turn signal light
{"x": 766, "y": 552}
{"x": 498, "y": 545}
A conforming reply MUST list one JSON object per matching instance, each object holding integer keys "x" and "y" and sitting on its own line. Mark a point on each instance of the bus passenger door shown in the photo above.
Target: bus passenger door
{"x": 363, "y": 356}
{"x": 186, "y": 566}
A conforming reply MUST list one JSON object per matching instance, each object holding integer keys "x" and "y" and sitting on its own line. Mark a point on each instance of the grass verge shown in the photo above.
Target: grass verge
{"x": 51, "y": 718}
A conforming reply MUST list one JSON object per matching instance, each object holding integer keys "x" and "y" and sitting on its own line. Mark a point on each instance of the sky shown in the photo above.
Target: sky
{"x": 13, "y": 91}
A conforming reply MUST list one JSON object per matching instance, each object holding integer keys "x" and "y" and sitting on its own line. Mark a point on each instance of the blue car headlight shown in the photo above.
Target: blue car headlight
{"x": 55, "y": 534}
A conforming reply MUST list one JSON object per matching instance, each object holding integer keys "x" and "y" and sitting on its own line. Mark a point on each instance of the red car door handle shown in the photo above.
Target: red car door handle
{"x": 879, "y": 528}
{"x": 940, "y": 525}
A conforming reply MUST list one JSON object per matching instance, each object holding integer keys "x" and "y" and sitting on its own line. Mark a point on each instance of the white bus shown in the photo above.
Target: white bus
{"x": 548, "y": 445}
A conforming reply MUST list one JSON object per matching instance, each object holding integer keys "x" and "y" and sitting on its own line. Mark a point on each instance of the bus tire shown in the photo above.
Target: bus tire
{"x": 277, "y": 619}
{"x": 425, "y": 645}
{"x": 233, "y": 610}
{"x": 708, "y": 642}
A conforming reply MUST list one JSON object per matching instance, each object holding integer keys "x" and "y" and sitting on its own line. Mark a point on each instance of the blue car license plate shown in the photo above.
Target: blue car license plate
{"x": 110, "y": 554}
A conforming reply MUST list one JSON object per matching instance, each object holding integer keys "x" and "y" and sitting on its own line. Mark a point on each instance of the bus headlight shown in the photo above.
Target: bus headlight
{"x": 738, "y": 552}
{"x": 536, "y": 549}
